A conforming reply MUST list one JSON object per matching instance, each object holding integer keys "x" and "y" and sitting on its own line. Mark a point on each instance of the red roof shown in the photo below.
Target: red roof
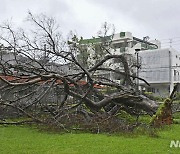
{"x": 26, "y": 79}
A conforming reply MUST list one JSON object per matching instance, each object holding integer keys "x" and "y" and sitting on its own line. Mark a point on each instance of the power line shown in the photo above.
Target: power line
{"x": 170, "y": 42}
{"x": 169, "y": 38}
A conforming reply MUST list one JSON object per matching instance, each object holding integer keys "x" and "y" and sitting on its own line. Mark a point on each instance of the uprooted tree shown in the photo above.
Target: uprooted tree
{"x": 51, "y": 81}
{"x": 164, "y": 115}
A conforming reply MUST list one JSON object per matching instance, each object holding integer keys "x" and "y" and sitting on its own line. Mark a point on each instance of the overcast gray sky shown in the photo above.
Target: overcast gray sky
{"x": 154, "y": 18}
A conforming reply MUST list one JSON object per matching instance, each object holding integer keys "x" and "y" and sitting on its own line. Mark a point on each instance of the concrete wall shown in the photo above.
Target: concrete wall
{"x": 161, "y": 90}
{"x": 54, "y": 95}
{"x": 155, "y": 67}
{"x": 161, "y": 68}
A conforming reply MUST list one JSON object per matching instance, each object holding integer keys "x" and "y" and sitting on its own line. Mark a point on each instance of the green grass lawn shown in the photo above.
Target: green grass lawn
{"x": 17, "y": 139}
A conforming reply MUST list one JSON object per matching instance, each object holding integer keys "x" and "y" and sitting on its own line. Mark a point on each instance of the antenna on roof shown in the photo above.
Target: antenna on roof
{"x": 146, "y": 38}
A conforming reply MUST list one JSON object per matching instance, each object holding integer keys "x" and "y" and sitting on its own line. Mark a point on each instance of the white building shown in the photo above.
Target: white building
{"x": 161, "y": 68}
{"x": 121, "y": 43}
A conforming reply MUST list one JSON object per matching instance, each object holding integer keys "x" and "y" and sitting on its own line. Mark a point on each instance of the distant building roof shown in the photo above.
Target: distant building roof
{"x": 24, "y": 79}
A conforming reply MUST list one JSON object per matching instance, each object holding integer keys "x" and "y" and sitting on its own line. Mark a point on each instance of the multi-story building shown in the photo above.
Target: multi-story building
{"x": 161, "y": 68}
{"x": 120, "y": 43}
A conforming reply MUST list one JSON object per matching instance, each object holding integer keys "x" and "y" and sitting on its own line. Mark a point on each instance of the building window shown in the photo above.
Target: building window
{"x": 122, "y": 49}
{"x": 151, "y": 90}
{"x": 120, "y": 45}
{"x": 122, "y": 34}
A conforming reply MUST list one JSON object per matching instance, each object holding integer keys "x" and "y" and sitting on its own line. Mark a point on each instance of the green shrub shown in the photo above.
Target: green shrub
{"x": 155, "y": 98}
{"x": 178, "y": 97}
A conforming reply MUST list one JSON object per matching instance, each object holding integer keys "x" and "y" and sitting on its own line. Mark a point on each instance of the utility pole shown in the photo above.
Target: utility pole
{"x": 170, "y": 43}
{"x": 137, "y": 70}
{"x": 1, "y": 51}
{"x": 171, "y": 84}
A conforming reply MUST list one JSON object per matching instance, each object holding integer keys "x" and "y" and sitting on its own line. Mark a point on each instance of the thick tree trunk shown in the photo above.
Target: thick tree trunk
{"x": 163, "y": 115}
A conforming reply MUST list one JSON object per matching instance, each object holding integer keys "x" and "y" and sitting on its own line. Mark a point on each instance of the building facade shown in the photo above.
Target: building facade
{"x": 121, "y": 43}
{"x": 161, "y": 69}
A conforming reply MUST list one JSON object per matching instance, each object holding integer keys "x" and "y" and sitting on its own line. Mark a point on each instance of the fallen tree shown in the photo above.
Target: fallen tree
{"x": 43, "y": 66}
{"x": 164, "y": 113}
